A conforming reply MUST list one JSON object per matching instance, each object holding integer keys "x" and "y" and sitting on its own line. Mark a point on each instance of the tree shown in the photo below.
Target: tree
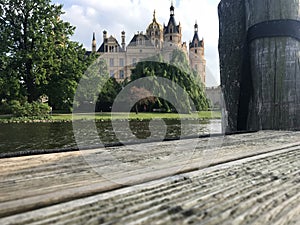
{"x": 108, "y": 93}
{"x": 36, "y": 55}
{"x": 179, "y": 59}
{"x": 95, "y": 85}
{"x": 179, "y": 73}
{"x": 144, "y": 97}
{"x": 62, "y": 84}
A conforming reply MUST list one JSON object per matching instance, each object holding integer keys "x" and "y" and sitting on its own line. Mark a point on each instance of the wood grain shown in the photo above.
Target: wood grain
{"x": 226, "y": 178}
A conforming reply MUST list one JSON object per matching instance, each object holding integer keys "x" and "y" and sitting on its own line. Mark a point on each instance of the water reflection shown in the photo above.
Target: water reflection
{"x": 31, "y": 136}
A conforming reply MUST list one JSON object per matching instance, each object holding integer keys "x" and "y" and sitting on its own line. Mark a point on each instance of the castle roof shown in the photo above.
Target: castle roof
{"x": 172, "y": 23}
{"x": 154, "y": 24}
{"x": 135, "y": 40}
{"x": 101, "y": 49}
{"x": 196, "y": 42}
{"x": 110, "y": 40}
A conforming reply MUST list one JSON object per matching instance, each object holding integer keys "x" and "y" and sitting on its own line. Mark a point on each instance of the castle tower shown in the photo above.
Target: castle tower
{"x": 196, "y": 55}
{"x": 123, "y": 44}
{"x": 158, "y": 39}
{"x": 155, "y": 32}
{"x": 172, "y": 32}
{"x": 94, "y": 43}
{"x": 104, "y": 35}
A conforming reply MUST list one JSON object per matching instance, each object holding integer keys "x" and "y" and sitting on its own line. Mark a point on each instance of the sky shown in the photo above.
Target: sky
{"x": 135, "y": 15}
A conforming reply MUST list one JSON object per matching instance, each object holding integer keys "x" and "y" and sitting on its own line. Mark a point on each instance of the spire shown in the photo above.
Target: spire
{"x": 196, "y": 27}
{"x": 94, "y": 43}
{"x": 104, "y": 35}
{"x": 123, "y": 40}
{"x": 154, "y": 16}
{"x": 172, "y": 9}
{"x": 172, "y": 27}
{"x": 196, "y": 41}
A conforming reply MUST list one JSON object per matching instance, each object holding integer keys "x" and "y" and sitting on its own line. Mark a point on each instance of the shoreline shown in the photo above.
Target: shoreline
{"x": 104, "y": 117}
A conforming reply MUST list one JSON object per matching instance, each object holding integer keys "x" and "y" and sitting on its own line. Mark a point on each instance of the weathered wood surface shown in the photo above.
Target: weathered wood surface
{"x": 266, "y": 69}
{"x": 232, "y": 41}
{"x": 240, "y": 179}
{"x": 275, "y": 68}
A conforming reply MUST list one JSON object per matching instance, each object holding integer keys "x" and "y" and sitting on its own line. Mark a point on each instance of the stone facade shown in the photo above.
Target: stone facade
{"x": 214, "y": 94}
{"x": 158, "y": 39}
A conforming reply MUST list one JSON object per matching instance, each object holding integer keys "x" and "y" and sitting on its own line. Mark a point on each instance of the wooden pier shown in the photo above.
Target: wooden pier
{"x": 249, "y": 178}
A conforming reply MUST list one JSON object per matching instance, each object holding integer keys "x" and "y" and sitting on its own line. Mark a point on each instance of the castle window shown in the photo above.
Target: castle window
{"x": 140, "y": 41}
{"x": 171, "y": 38}
{"x": 111, "y": 62}
{"x": 111, "y": 49}
{"x": 196, "y": 51}
{"x": 121, "y": 74}
{"x": 141, "y": 50}
{"x": 106, "y": 48}
{"x": 121, "y": 62}
{"x": 156, "y": 33}
{"x": 171, "y": 29}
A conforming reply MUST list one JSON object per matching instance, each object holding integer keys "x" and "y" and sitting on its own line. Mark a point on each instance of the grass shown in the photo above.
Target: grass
{"x": 141, "y": 116}
{"x": 109, "y": 116}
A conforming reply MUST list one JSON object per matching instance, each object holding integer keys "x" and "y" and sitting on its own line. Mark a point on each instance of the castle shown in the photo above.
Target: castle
{"x": 158, "y": 39}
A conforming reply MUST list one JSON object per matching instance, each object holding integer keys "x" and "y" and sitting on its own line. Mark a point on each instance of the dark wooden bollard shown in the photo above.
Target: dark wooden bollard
{"x": 260, "y": 63}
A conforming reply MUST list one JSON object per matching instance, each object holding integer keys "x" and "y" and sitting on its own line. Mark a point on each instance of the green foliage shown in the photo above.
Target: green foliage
{"x": 144, "y": 96}
{"x": 34, "y": 110}
{"x": 108, "y": 93}
{"x": 179, "y": 73}
{"x": 94, "y": 82}
{"x": 179, "y": 59}
{"x": 5, "y": 108}
{"x": 36, "y": 55}
{"x": 62, "y": 84}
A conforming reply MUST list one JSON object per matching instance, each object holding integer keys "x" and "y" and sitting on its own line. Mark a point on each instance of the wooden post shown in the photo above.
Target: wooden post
{"x": 275, "y": 68}
{"x": 269, "y": 75}
{"x": 231, "y": 50}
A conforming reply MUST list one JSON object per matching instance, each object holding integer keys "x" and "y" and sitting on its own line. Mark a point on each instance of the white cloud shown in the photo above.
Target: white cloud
{"x": 135, "y": 15}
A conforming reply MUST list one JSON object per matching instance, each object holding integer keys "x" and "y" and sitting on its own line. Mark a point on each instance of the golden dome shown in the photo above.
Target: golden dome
{"x": 154, "y": 25}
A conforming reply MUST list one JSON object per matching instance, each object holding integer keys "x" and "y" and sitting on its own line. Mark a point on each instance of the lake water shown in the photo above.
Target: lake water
{"x": 15, "y": 137}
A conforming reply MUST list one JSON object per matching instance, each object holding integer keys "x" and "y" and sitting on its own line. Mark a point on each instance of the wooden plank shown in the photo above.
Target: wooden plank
{"x": 32, "y": 182}
{"x": 261, "y": 189}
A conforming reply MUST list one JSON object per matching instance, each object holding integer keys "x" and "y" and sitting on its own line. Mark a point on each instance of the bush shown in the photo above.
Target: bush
{"x": 34, "y": 110}
{"x": 5, "y": 108}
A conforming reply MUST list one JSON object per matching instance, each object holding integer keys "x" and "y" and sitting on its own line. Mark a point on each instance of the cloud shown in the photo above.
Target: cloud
{"x": 135, "y": 15}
